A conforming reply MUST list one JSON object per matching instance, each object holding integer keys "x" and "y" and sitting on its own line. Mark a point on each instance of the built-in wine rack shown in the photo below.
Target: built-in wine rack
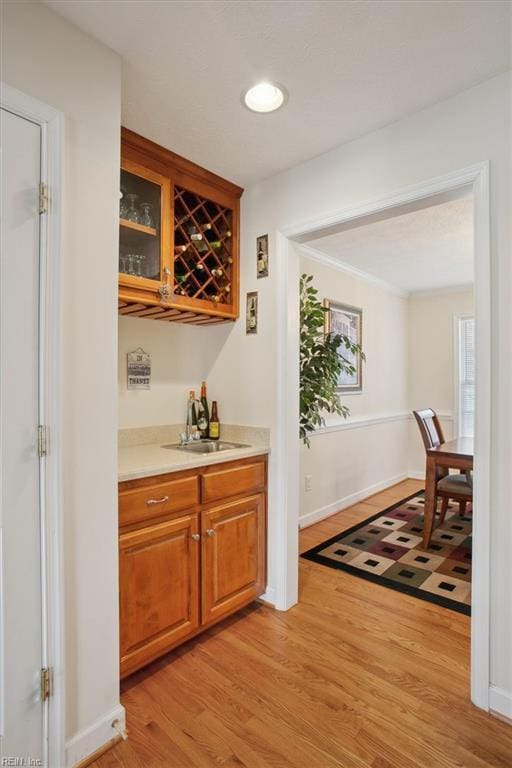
{"x": 179, "y": 237}
{"x": 203, "y": 248}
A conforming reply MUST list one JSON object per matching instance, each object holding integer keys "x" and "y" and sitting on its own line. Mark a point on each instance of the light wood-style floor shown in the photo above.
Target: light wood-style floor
{"x": 356, "y": 676}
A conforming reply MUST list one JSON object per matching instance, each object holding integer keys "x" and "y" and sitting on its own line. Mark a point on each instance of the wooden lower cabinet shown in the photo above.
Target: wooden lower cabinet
{"x": 233, "y": 562}
{"x": 185, "y": 570}
{"x": 159, "y": 596}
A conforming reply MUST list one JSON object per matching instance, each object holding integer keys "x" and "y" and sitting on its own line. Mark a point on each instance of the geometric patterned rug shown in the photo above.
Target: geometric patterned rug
{"x": 387, "y": 549}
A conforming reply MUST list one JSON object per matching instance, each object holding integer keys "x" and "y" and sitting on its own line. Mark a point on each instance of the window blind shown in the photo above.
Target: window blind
{"x": 466, "y": 376}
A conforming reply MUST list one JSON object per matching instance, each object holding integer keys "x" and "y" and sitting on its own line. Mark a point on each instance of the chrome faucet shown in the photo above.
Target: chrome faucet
{"x": 187, "y": 436}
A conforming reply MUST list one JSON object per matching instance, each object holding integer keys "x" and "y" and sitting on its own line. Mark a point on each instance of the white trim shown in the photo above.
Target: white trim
{"x": 416, "y": 474}
{"x": 481, "y": 565}
{"x": 52, "y": 152}
{"x": 285, "y": 456}
{"x": 476, "y": 176}
{"x": 342, "y": 266}
{"x": 357, "y": 422}
{"x": 310, "y": 518}
{"x": 425, "y": 189}
{"x": 269, "y": 596}
{"x": 500, "y": 702}
{"x": 95, "y": 736}
{"x": 427, "y": 292}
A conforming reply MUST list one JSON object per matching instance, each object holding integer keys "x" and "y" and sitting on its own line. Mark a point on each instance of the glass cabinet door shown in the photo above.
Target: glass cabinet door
{"x": 144, "y": 252}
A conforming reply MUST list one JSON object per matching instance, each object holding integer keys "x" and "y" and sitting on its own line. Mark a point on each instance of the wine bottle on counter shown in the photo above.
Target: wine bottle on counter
{"x": 214, "y": 422}
{"x": 204, "y": 417}
{"x": 192, "y": 399}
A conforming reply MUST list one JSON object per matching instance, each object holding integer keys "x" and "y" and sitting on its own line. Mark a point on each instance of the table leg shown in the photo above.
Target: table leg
{"x": 430, "y": 498}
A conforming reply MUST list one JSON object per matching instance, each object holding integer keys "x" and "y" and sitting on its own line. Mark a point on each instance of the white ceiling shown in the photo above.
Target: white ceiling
{"x": 350, "y": 67}
{"x": 421, "y": 250}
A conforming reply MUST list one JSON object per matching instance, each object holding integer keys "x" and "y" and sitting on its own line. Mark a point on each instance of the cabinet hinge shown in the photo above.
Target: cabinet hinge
{"x": 46, "y": 680}
{"x": 43, "y": 198}
{"x": 42, "y": 440}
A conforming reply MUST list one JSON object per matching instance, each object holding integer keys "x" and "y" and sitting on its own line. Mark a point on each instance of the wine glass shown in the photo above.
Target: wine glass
{"x": 123, "y": 204}
{"x": 146, "y": 216}
{"x": 132, "y": 213}
{"x": 139, "y": 260}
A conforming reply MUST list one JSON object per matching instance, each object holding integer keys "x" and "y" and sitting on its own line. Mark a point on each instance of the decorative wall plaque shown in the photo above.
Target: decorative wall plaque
{"x": 138, "y": 369}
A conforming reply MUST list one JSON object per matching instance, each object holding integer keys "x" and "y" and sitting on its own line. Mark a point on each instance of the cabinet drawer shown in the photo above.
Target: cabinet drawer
{"x": 139, "y": 504}
{"x": 223, "y": 483}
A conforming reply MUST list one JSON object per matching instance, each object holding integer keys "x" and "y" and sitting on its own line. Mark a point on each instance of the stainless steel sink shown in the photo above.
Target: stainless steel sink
{"x": 204, "y": 447}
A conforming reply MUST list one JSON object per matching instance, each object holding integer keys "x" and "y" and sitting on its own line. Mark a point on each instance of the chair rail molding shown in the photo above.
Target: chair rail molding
{"x": 358, "y": 422}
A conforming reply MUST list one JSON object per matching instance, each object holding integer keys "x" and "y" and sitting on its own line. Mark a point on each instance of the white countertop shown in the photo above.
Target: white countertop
{"x": 138, "y": 461}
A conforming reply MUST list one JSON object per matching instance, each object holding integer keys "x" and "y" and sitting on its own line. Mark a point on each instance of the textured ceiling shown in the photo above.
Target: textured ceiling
{"x": 350, "y": 67}
{"x": 421, "y": 250}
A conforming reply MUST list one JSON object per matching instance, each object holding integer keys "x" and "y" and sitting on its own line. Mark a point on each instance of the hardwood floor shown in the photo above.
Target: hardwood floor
{"x": 355, "y": 676}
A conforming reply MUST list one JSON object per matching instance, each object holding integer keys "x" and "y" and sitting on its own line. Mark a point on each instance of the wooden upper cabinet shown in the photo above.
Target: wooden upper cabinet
{"x": 179, "y": 237}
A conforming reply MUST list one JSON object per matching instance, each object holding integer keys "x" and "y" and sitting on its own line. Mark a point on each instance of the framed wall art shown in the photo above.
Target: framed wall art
{"x": 347, "y": 320}
{"x": 262, "y": 256}
{"x": 251, "y": 312}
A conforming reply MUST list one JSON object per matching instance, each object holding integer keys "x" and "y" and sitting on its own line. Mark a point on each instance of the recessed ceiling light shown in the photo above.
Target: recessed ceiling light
{"x": 265, "y": 97}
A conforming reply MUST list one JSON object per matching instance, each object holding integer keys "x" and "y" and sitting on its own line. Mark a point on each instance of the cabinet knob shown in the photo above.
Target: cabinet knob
{"x": 196, "y": 536}
{"x": 210, "y": 532}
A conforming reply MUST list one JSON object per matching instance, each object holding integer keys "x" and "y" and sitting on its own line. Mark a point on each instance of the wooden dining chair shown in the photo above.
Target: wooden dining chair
{"x": 456, "y": 487}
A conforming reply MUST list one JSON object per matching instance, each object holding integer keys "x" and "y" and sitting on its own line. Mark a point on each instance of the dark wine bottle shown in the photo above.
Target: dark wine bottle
{"x": 204, "y": 422}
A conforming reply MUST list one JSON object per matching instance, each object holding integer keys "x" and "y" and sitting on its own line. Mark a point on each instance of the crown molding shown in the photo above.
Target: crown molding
{"x": 439, "y": 291}
{"x": 341, "y": 266}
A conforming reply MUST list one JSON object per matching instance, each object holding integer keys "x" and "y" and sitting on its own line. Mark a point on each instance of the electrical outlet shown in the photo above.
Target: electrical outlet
{"x": 308, "y": 482}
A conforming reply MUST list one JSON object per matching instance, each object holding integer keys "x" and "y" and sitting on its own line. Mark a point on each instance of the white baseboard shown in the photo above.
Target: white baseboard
{"x": 416, "y": 474}
{"x": 320, "y": 514}
{"x": 269, "y": 596}
{"x": 90, "y": 739}
{"x": 500, "y": 702}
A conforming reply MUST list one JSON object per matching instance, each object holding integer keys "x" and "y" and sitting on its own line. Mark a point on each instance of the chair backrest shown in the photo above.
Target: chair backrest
{"x": 430, "y": 428}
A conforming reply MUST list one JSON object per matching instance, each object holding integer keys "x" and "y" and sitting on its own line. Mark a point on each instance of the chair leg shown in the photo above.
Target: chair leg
{"x": 444, "y": 509}
{"x": 462, "y": 508}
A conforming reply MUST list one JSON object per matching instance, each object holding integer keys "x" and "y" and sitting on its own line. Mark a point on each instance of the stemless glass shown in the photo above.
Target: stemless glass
{"x": 132, "y": 214}
{"x": 123, "y": 204}
{"x": 146, "y": 216}
{"x": 122, "y": 263}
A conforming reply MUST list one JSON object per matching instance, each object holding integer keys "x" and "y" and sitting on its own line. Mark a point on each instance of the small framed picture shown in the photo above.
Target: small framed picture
{"x": 138, "y": 365}
{"x": 347, "y": 320}
{"x": 262, "y": 256}
{"x": 251, "y": 316}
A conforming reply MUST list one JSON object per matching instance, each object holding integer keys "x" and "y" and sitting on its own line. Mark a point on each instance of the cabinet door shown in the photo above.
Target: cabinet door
{"x": 159, "y": 589}
{"x": 233, "y": 548}
{"x": 144, "y": 229}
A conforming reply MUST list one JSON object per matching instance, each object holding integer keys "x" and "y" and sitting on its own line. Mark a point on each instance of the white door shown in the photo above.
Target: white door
{"x": 22, "y": 723}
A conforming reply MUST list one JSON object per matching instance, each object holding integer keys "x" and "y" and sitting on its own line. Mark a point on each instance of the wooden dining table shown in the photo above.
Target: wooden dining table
{"x": 454, "y": 454}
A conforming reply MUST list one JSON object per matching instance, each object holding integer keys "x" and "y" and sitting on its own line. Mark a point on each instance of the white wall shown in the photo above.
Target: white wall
{"x": 431, "y": 361}
{"x": 469, "y": 128}
{"x": 355, "y": 462}
{"x": 52, "y": 61}
{"x": 181, "y": 357}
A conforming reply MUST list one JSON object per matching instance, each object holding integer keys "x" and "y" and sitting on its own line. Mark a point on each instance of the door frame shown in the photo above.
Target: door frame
{"x": 51, "y": 123}
{"x": 286, "y": 441}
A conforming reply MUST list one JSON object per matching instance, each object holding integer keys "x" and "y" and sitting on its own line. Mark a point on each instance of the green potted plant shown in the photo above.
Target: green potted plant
{"x": 321, "y": 362}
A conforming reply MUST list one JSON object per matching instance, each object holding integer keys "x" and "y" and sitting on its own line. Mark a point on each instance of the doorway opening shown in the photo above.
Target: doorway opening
{"x": 472, "y": 181}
